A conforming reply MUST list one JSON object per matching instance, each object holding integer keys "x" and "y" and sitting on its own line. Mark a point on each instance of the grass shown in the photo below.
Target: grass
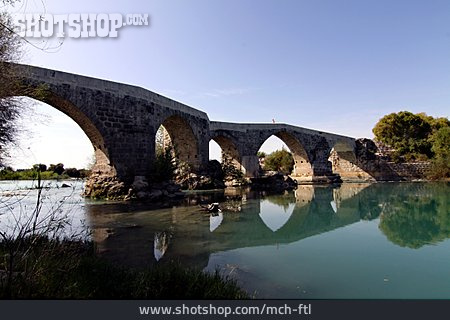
{"x": 51, "y": 269}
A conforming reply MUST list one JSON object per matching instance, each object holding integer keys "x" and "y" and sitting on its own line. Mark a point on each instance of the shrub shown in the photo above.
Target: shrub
{"x": 411, "y": 135}
{"x": 441, "y": 150}
{"x": 230, "y": 171}
{"x": 280, "y": 160}
{"x": 164, "y": 165}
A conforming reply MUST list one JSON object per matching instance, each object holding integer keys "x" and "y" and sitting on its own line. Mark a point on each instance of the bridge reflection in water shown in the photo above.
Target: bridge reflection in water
{"x": 133, "y": 235}
{"x": 384, "y": 240}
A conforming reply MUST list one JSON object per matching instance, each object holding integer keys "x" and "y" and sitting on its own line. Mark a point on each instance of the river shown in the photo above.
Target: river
{"x": 356, "y": 241}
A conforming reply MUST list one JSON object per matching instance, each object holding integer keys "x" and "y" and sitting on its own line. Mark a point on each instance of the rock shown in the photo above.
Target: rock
{"x": 214, "y": 170}
{"x": 140, "y": 183}
{"x": 273, "y": 181}
{"x": 172, "y": 188}
{"x": 105, "y": 187}
{"x": 155, "y": 194}
{"x": 132, "y": 226}
{"x": 66, "y": 186}
{"x": 165, "y": 184}
{"x": 214, "y": 207}
{"x": 143, "y": 195}
{"x": 211, "y": 178}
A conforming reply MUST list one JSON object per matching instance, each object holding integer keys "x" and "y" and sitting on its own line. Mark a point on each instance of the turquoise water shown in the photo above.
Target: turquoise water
{"x": 357, "y": 241}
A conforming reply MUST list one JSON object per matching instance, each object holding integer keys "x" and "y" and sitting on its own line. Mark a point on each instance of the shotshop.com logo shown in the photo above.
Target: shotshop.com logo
{"x": 78, "y": 25}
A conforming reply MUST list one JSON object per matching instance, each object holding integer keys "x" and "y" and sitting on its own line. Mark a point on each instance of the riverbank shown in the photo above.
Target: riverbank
{"x": 49, "y": 269}
{"x": 57, "y": 173}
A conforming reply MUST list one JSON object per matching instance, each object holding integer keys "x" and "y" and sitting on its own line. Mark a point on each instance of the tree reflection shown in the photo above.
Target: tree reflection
{"x": 284, "y": 200}
{"x": 416, "y": 217}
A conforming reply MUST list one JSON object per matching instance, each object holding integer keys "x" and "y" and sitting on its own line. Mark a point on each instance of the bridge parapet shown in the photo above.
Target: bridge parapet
{"x": 121, "y": 90}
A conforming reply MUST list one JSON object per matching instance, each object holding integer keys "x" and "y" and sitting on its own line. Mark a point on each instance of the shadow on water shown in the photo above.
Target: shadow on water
{"x": 411, "y": 215}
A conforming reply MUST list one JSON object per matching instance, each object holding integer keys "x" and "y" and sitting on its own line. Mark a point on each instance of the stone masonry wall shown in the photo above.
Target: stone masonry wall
{"x": 378, "y": 170}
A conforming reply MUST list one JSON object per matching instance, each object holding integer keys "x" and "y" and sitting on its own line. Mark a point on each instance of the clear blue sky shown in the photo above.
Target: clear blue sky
{"x": 332, "y": 65}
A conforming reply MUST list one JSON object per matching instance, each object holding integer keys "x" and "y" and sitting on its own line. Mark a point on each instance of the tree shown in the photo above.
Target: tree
{"x": 261, "y": 154}
{"x": 436, "y": 123}
{"x": 72, "y": 172}
{"x": 57, "y": 168}
{"x": 164, "y": 165}
{"x": 40, "y": 167}
{"x": 406, "y": 132}
{"x": 280, "y": 160}
{"x": 9, "y": 107}
{"x": 441, "y": 149}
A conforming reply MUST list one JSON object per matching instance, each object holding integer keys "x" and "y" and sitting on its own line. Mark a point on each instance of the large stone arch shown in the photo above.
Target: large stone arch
{"x": 302, "y": 163}
{"x": 97, "y": 138}
{"x": 182, "y": 138}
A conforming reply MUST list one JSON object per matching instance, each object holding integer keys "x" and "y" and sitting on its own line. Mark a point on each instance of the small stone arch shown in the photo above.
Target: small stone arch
{"x": 344, "y": 162}
{"x": 230, "y": 151}
{"x": 181, "y": 137}
{"x": 344, "y": 150}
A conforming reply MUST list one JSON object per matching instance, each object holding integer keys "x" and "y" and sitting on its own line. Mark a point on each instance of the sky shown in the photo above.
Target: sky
{"x": 330, "y": 65}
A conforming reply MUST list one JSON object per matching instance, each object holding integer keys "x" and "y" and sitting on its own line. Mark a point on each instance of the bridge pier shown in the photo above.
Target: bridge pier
{"x": 323, "y": 170}
{"x": 250, "y": 166}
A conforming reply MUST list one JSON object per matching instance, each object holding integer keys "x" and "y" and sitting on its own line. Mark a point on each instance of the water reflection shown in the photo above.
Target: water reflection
{"x": 161, "y": 244}
{"x": 215, "y": 220}
{"x": 333, "y": 206}
{"x": 247, "y": 220}
{"x": 359, "y": 229}
{"x": 411, "y": 215}
{"x": 272, "y": 216}
{"x": 417, "y": 217}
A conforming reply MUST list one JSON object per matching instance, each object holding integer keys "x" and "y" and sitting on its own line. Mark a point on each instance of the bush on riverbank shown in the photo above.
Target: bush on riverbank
{"x": 441, "y": 150}
{"x": 409, "y": 137}
{"x": 50, "y": 269}
{"x": 54, "y": 172}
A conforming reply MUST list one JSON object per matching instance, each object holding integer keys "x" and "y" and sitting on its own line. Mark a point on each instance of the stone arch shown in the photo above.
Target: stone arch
{"x": 229, "y": 150}
{"x": 344, "y": 162}
{"x": 302, "y": 164}
{"x": 344, "y": 150}
{"x": 181, "y": 137}
{"x": 102, "y": 155}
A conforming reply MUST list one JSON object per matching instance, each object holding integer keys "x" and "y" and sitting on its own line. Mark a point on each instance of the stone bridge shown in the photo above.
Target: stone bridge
{"x": 122, "y": 121}
{"x": 311, "y": 149}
